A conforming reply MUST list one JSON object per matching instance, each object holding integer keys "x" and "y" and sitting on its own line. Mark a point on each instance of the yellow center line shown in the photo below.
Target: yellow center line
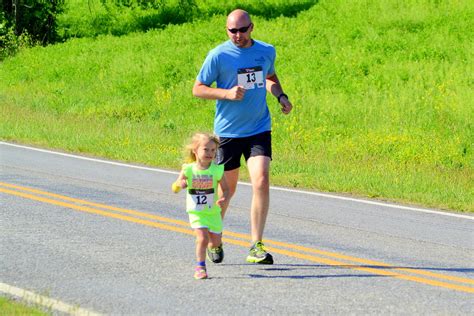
{"x": 104, "y": 206}
{"x": 270, "y": 242}
{"x": 376, "y": 271}
{"x": 98, "y": 212}
{"x": 373, "y": 268}
{"x": 372, "y": 263}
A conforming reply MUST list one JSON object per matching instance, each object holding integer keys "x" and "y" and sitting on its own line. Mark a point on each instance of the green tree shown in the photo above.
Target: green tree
{"x": 33, "y": 17}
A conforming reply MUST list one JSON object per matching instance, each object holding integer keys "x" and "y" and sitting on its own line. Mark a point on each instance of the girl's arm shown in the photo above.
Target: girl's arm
{"x": 180, "y": 183}
{"x": 225, "y": 192}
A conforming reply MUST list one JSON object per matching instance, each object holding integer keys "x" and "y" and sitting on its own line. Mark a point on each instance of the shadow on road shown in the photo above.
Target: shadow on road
{"x": 303, "y": 275}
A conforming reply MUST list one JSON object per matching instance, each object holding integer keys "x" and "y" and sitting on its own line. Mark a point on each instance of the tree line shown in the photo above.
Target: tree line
{"x": 25, "y": 23}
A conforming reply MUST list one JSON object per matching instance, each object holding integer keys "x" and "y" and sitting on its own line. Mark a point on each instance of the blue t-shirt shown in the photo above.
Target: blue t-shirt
{"x": 228, "y": 66}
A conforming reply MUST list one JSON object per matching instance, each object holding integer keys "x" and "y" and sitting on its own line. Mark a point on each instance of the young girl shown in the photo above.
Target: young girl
{"x": 201, "y": 176}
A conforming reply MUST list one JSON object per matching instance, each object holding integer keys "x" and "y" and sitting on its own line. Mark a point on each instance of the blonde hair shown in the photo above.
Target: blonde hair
{"x": 194, "y": 143}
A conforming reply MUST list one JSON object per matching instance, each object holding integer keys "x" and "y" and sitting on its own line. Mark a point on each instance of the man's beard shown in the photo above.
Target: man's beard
{"x": 242, "y": 43}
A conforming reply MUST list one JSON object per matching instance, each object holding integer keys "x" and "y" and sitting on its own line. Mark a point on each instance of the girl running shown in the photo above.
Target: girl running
{"x": 202, "y": 178}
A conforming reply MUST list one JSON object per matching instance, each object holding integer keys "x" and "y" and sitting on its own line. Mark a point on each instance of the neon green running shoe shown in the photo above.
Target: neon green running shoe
{"x": 258, "y": 254}
{"x": 215, "y": 254}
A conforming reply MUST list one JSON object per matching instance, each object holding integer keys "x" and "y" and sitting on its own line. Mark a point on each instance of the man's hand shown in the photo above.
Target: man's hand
{"x": 286, "y": 105}
{"x": 236, "y": 93}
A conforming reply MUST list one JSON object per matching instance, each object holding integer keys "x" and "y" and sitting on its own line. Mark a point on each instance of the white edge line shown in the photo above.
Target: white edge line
{"x": 244, "y": 183}
{"x": 416, "y": 209}
{"x": 45, "y": 301}
{"x": 90, "y": 159}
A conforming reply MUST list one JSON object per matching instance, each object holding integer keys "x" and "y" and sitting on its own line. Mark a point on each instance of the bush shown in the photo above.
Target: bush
{"x": 10, "y": 43}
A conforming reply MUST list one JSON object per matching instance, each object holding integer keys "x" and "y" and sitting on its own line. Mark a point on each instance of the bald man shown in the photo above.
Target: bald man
{"x": 243, "y": 70}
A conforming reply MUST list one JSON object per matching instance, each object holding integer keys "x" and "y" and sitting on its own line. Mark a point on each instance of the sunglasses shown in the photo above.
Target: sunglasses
{"x": 241, "y": 30}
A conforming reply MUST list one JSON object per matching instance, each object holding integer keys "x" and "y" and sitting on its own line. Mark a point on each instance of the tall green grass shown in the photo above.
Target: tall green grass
{"x": 383, "y": 96}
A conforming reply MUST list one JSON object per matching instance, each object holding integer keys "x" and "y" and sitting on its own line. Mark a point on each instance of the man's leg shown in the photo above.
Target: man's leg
{"x": 259, "y": 175}
{"x": 259, "y": 170}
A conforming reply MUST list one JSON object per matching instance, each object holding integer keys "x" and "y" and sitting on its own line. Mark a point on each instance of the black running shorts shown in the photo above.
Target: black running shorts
{"x": 231, "y": 149}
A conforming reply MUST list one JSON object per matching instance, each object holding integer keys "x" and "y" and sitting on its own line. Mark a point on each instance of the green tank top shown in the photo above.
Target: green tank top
{"x": 202, "y": 193}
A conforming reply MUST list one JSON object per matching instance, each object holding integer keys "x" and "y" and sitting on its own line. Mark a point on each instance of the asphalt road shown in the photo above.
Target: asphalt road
{"x": 112, "y": 238}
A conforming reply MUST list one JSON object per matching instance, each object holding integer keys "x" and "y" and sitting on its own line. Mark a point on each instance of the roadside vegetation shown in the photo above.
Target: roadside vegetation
{"x": 383, "y": 91}
{"x": 14, "y": 307}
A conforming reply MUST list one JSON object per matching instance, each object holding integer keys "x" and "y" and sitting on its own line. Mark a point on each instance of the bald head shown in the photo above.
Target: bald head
{"x": 238, "y": 17}
{"x": 239, "y": 27}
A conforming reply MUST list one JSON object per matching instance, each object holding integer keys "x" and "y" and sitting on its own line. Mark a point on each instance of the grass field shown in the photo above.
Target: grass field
{"x": 383, "y": 95}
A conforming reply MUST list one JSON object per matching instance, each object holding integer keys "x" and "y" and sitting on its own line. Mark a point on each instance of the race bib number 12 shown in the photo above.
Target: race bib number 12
{"x": 201, "y": 199}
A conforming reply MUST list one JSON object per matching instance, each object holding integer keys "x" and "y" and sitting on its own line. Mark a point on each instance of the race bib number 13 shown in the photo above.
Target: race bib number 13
{"x": 250, "y": 78}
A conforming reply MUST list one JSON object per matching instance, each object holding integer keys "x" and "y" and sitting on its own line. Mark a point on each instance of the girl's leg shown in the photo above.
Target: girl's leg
{"x": 215, "y": 254}
{"x": 202, "y": 240}
{"x": 215, "y": 239}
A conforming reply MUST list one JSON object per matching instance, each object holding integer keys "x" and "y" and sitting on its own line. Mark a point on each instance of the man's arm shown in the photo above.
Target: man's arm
{"x": 200, "y": 90}
{"x": 274, "y": 87}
